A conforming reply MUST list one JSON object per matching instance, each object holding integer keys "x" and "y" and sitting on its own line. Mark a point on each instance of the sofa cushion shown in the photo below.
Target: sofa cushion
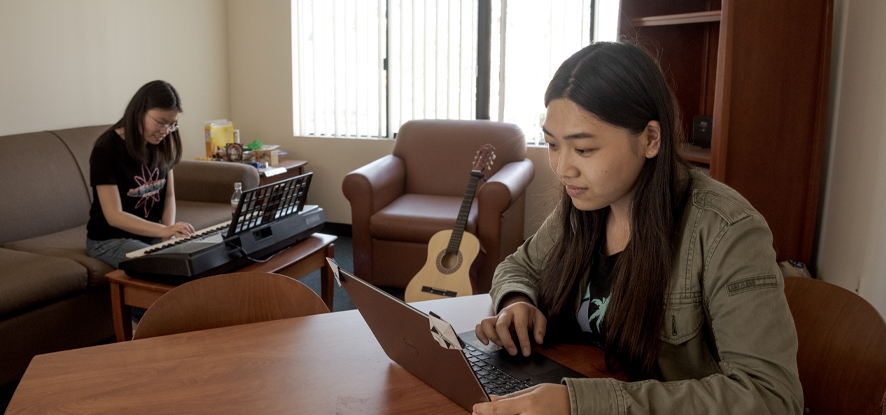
{"x": 212, "y": 182}
{"x": 29, "y": 280}
{"x": 416, "y": 218}
{"x": 70, "y": 244}
{"x": 44, "y": 189}
{"x": 201, "y": 214}
{"x": 80, "y": 141}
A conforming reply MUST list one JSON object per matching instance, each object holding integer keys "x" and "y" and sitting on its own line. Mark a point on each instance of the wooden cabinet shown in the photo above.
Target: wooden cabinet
{"x": 761, "y": 69}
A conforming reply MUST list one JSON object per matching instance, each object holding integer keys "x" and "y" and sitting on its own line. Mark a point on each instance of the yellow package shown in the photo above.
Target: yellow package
{"x": 212, "y": 145}
{"x": 222, "y": 134}
{"x": 270, "y": 156}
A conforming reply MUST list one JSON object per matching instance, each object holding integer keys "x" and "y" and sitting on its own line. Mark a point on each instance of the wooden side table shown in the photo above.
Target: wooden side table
{"x": 295, "y": 262}
{"x": 293, "y": 168}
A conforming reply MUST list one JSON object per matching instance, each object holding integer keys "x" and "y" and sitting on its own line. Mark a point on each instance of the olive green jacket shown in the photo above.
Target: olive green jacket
{"x": 729, "y": 345}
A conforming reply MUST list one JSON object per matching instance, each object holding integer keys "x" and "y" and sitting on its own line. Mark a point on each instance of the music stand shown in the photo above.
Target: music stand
{"x": 261, "y": 206}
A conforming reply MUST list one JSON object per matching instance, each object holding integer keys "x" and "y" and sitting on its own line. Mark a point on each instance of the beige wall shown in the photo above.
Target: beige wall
{"x": 75, "y": 63}
{"x": 852, "y": 239}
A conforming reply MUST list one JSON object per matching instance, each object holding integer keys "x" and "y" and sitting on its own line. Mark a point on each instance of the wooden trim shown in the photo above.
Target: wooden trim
{"x": 722, "y": 89}
{"x": 809, "y": 241}
{"x": 674, "y": 19}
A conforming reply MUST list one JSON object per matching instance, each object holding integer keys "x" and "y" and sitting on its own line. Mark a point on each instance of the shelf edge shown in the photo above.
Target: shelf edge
{"x": 675, "y": 19}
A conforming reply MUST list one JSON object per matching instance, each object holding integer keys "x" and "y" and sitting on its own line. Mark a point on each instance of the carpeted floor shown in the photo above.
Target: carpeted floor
{"x": 344, "y": 256}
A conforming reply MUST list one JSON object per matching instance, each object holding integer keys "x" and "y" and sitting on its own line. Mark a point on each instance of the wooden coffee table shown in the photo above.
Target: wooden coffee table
{"x": 296, "y": 262}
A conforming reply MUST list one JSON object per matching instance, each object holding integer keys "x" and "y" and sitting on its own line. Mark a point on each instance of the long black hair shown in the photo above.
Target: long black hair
{"x": 154, "y": 94}
{"x": 622, "y": 85}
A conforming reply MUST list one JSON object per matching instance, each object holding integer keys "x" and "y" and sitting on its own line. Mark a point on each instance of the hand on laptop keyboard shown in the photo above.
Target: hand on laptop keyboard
{"x": 521, "y": 316}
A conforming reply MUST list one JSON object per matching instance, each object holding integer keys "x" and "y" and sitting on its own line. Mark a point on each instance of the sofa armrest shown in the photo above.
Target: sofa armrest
{"x": 506, "y": 186}
{"x": 376, "y": 184}
{"x": 213, "y": 182}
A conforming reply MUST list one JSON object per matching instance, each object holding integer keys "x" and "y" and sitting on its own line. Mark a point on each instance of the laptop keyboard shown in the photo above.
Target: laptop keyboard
{"x": 493, "y": 380}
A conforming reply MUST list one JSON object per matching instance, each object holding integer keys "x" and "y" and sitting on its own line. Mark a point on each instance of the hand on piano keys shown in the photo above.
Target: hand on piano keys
{"x": 178, "y": 230}
{"x": 165, "y": 244}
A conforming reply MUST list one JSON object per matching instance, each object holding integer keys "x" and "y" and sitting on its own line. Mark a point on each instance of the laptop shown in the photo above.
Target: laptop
{"x": 456, "y": 365}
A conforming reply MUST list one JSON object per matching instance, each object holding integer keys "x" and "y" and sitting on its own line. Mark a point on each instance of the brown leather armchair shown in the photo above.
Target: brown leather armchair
{"x": 400, "y": 201}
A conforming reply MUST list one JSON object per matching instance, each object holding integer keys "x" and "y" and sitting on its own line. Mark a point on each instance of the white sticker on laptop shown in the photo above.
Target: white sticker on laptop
{"x": 443, "y": 333}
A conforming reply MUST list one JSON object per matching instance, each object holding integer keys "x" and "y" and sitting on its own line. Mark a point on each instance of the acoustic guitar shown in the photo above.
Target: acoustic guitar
{"x": 451, "y": 253}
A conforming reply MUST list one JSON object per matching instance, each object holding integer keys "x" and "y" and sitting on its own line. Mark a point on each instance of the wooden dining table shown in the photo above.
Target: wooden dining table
{"x": 321, "y": 364}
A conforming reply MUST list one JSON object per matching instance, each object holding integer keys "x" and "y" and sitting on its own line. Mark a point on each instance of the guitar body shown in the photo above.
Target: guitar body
{"x": 444, "y": 275}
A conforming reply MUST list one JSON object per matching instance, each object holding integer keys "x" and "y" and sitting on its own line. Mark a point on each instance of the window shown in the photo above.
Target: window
{"x": 362, "y": 68}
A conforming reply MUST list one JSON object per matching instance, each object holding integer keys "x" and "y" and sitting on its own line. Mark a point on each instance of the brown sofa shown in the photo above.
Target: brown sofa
{"x": 53, "y": 296}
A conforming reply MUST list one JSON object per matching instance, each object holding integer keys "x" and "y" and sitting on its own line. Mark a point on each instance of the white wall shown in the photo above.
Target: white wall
{"x": 76, "y": 63}
{"x": 852, "y": 238}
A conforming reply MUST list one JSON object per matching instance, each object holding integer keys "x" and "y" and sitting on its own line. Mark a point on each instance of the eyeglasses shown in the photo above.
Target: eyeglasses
{"x": 169, "y": 128}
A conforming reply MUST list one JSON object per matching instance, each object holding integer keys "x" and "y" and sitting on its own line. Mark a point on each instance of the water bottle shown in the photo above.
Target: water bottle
{"x": 235, "y": 198}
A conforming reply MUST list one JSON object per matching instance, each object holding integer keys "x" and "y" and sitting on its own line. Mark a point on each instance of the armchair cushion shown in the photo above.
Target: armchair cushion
{"x": 416, "y": 218}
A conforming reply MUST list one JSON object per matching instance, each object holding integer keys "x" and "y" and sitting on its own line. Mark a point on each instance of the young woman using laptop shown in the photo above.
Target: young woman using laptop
{"x": 131, "y": 164}
{"x": 670, "y": 272}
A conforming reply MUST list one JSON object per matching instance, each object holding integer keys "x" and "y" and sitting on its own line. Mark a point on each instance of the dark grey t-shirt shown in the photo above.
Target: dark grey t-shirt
{"x": 595, "y": 298}
{"x": 142, "y": 189}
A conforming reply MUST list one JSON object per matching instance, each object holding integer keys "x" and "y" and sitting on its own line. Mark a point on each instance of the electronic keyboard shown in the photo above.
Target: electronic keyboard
{"x": 212, "y": 252}
{"x": 267, "y": 219}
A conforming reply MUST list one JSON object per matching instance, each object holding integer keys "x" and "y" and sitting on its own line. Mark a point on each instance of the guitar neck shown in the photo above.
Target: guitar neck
{"x": 462, "y": 220}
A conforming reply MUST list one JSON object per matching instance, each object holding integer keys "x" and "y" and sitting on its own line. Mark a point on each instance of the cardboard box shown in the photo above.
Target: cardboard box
{"x": 270, "y": 156}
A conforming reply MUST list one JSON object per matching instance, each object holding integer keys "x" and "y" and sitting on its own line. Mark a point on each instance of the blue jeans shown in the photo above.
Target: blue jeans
{"x": 113, "y": 251}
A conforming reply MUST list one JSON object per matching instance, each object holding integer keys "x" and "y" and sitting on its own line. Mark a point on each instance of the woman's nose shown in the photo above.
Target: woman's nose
{"x": 563, "y": 166}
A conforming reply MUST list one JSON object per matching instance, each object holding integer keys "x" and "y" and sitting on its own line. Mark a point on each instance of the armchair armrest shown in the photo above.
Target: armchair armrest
{"x": 505, "y": 187}
{"x": 375, "y": 185}
{"x": 213, "y": 182}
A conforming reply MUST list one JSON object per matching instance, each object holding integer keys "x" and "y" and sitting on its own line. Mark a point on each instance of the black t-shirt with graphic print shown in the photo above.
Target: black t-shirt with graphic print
{"x": 142, "y": 188}
{"x": 595, "y": 298}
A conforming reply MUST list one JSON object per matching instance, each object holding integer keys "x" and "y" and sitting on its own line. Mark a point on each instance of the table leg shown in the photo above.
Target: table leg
{"x": 122, "y": 314}
{"x": 326, "y": 286}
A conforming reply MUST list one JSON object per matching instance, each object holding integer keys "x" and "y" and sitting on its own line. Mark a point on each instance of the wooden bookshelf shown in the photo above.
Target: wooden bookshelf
{"x": 761, "y": 69}
{"x": 695, "y": 154}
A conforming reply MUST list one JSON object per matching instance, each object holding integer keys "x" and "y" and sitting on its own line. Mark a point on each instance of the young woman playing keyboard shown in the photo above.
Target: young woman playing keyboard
{"x": 131, "y": 165}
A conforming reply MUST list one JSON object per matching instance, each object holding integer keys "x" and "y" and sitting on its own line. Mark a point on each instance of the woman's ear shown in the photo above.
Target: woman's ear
{"x": 650, "y": 139}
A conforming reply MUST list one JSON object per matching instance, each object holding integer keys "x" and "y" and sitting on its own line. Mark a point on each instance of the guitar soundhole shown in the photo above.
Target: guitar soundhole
{"x": 448, "y": 263}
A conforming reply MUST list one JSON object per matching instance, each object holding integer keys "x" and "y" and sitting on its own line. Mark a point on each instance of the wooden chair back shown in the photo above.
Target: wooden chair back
{"x": 228, "y": 300}
{"x": 842, "y": 348}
